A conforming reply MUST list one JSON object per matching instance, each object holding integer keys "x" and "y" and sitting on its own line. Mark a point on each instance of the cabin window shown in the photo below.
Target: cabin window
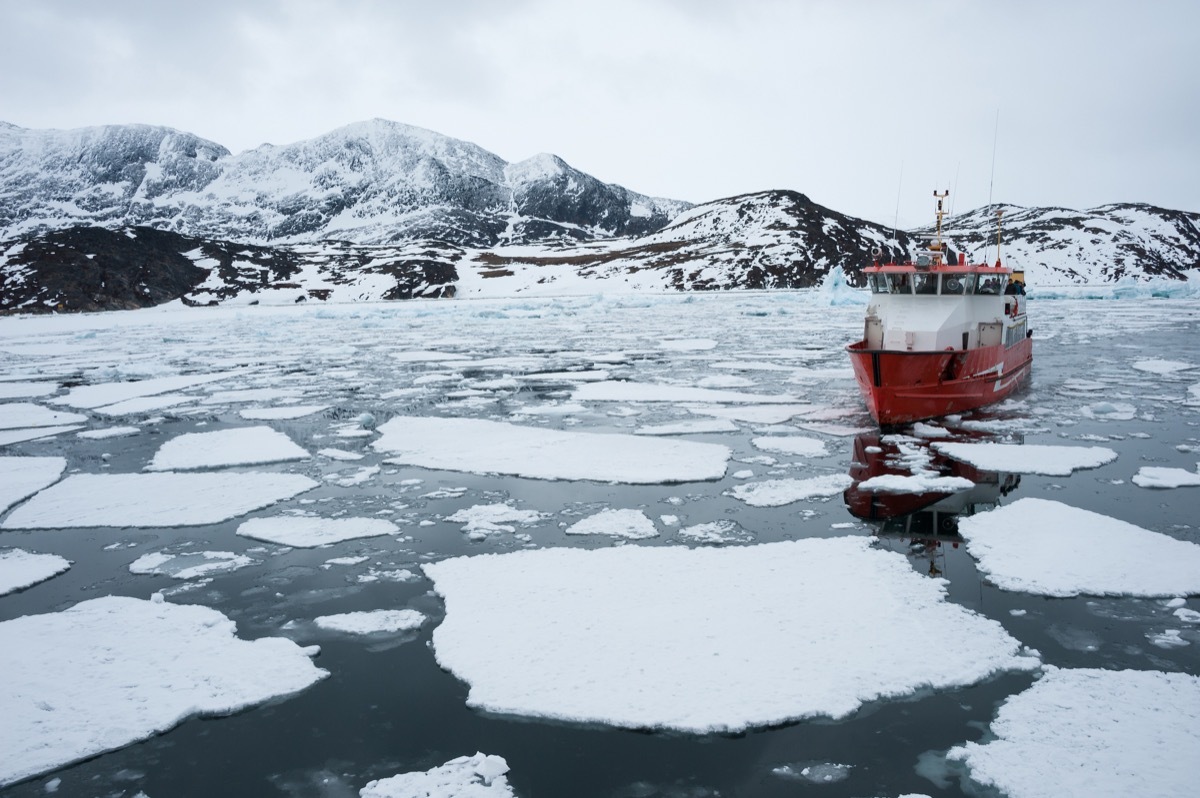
{"x": 898, "y": 284}
{"x": 968, "y": 281}
{"x": 925, "y": 283}
{"x": 878, "y": 283}
{"x": 991, "y": 284}
{"x": 953, "y": 284}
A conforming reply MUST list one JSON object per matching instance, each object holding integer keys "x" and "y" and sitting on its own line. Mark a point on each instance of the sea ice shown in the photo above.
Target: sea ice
{"x": 92, "y": 396}
{"x": 227, "y": 447}
{"x": 715, "y": 533}
{"x": 479, "y": 446}
{"x": 697, "y": 426}
{"x": 372, "y": 622}
{"x": 923, "y": 482}
{"x": 486, "y": 518}
{"x": 20, "y": 569}
{"x": 280, "y": 413}
{"x": 148, "y": 500}
{"x": 1098, "y": 733}
{"x": 629, "y": 524}
{"x": 1053, "y": 549}
{"x": 21, "y": 477}
{"x": 26, "y": 390}
{"x": 27, "y": 434}
{"x": 617, "y": 391}
{"x": 479, "y": 776}
{"x": 17, "y": 415}
{"x": 306, "y": 531}
{"x": 1054, "y": 461}
{"x": 1160, "y": 477}
{"x": 754, "y": 414}
{"x": 190, "y": 565}
{"x": 706, "y": 639}
{"x": 778, "y": 492}
{"x": 791, "y": 444}
{"x": 111, "y": 671}
{"x": 107, "y": 432}
{"x": 1160, "y": 366}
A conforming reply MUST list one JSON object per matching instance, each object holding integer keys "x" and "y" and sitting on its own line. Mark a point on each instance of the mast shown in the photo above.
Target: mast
{"x": 999, "y": 213}
{"x": 937, "y": 247}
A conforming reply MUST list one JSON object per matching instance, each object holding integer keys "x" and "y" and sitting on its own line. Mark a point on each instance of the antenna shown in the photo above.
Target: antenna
{"x": 992, "y": 182}
{"x": 896, "y": 218}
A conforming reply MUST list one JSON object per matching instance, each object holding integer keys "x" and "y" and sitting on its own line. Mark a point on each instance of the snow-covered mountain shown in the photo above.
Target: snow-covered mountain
{"x": 372, "y": 182}
{"x": 1058, "y": 245}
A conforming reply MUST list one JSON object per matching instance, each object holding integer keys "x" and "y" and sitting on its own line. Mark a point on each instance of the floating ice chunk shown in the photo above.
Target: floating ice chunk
{"x": 373, "y": 622}
{"x": 1109, "y": 411}
{"x": 644, "y": 392}
{"x": 1160, "y": 366}
{"x": 1159, "y": 477}
{"x": 144, "y": 404}
{"x": 778, "y": 492}
{"x": 347, "y": 560}
{"x": 92, "y": 396}
{"x": 360, "y": 476}
{"x": 16, "y": 415}
{"x": 1187, "y": 616}
{"x": 26, "y": 390}
{"x": 249, "y": 395}
{"x": 759, "y": 414}
{"x": 1052, "y": 549}
{"x": 18, "y": 435}
{"x": 478, "y": 446}
{"x": 280, "y": 413}
{"x": 112, "y": 671}
{"x": 190, "y": 565}
{"x": 792, "y": 444}
{"x": 339, "y": 454}
{"x": 306, "y": 532}
{"x": 915, "y": 483}
{"x": 145, "y": 500}
{"x": 1098, "y": 733}
{"x": 227, "y": 447}
{"x": 426, "y": 356}
{"x": 20, "y": 569}
{"x": 688, "y": 345}
{"x": 694, "y": 427}
{"x": 715, "y": 533}
{"x": 563, "y": 376}
{"x": 630, "y": 524}
{"x": 815, "y": 772}
{"x": 21, "y": 477}
{"x": 722, "y": 650}
{"x": 924, "y": 430}
{"x": 479, "y": 776}
{"x": 107, "y": 432}
{"x": 1055, "y": 461}
{"x": 725, "y": 381}
{"x": 561, "y": 409}
{"x": 1168, "y": 638}
{"x": 837, "y": 430}
{"x": 493, "y": 518}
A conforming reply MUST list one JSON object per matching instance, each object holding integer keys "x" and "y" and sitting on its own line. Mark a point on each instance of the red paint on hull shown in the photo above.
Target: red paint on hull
{"x": 900, "y": 387}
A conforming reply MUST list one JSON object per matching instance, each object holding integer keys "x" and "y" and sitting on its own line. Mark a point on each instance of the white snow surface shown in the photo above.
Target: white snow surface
{"x": 17, "y": 415}
{"x": 1095, "y": 733}
{"x": 497, "y": 517}
{"x": 778, "y": 492}
{"x": 791, "y": 444}
{"x": 280, "y": 413}
{"x": 21, "y": 477}
{"x": 923, "y": 482}
{"x": 372, "y": 621}
{"x": 624, "y": 523}
{"x": 88, "y": 397}
{"x": 1055, "y": 461}
{"x": 227, "y": 447}
{"x": 150, "y": 500}
{"x": 1053, "y": 549}
{"x": 492, "y": 447}
{"x": 617, "y": 391}
{"x": 478, "y": 776}
{"x": 111, "y": 671}
{"x": 20, "y": 569}
{"x": 706, "y": 640}
{"x": 306, "y": 531}
{"x": 190, "y": 565}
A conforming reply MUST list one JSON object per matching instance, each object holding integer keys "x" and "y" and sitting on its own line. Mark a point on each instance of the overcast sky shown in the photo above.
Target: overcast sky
{"x": 691, "y": 99}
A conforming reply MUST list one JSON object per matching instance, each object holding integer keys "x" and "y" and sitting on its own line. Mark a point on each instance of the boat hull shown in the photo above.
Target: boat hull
{"x": 900, "y": 387}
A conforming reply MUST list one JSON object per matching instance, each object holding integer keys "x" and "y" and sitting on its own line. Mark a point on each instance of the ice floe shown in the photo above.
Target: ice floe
{"x": 88, "y": 397}
{"x": 26, "y": 390}
{"x": 20, "y": 569}
{"x": 617, "y": 391}
{"x": 706, "y": 640}
{"x": 923, "y": 482}
{"x": 791, "y": 444}
{"x": 698, "y": 426}
{"x": 190, "y": 565}
{"x": 628, "y": 524}
{"x": 227, "y": 447}
{"x": 478, "y": 776}
{"x": 306, "y": 531}
{"x": 1095, "y": 733}
{"x": 107, "y": 432}
{"x": 754, "y": 414}
{"x": 714, "y": 533}
{"x": 1160, "y": 366}
{"x": 1055, "y": 461}
{"x": 1162, "y": 477}
{"x": 1053, "y": 549}
{"x": 778, "y": 492}
{"x": 148, "y": 500}
{"x": 481, "y": 520}
{"x": 482, "y": 447}
{"x": 280, "y": 413}
{"x": 16, "y": 415}
{"x": 21, "y": 477}
{"x": 111, "y": 671}
{"x": 27, "y": 434}
{"x": 372, "y": 622}
{"x": 339, "y": 454}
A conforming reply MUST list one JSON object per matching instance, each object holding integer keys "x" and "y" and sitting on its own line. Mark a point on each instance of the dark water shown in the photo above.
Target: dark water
{"x": 388, "y": 707}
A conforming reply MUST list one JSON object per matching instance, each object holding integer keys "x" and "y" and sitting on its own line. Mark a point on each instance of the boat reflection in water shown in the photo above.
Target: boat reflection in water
{"x": 921, "y": 523}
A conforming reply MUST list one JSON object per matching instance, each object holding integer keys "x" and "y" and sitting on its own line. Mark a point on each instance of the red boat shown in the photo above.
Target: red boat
{"x": 941, "y": 336}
